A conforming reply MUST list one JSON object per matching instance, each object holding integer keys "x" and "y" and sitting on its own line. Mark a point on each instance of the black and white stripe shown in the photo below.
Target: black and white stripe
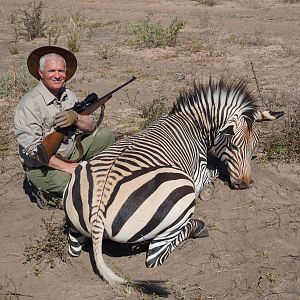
{"x": 144, "y": 188}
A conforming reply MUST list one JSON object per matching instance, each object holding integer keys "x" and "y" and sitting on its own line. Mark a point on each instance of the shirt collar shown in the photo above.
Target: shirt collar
{"x": 47, "y": 95}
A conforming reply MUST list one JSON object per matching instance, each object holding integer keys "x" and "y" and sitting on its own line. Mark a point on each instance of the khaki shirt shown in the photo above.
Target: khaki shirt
{"x": 34, "y": 120}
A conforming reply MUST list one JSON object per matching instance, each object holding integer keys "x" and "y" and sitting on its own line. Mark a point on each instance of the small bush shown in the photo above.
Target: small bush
{"x": 285, "y": 144}
{"x": 152, "y": 34}
{"x": 29, "y": 22}
{"x": 207, "y": 2}
{"x": 49, "y": 249}
{"x": 153, "y": 111}
{"x": 13, "y": 48}
{"x": 76, "y": 28}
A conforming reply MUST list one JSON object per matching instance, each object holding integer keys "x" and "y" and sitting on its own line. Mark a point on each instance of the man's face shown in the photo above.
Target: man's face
{"x": 53, "y": 74}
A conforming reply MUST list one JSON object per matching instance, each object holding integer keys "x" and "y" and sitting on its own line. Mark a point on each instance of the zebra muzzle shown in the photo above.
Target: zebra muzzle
{"x": 241, "y": 184}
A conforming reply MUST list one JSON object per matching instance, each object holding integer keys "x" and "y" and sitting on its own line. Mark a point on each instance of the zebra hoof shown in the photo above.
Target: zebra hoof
{"x": 200, "y": 231}
{"x": 207, "y": 192}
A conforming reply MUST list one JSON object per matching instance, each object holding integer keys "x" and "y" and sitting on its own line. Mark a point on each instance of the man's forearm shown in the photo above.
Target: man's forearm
{"x": 61, "y": 165}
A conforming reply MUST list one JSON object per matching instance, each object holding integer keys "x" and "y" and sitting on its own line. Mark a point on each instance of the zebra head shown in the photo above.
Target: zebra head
{"x": 236, "y": 143}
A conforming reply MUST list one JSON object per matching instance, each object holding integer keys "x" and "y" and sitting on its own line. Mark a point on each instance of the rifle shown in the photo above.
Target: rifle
{"x": 51, "y": 143}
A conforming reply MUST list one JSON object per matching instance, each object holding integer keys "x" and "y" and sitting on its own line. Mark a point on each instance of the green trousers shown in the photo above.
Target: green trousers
{"x": 55, "y": 181}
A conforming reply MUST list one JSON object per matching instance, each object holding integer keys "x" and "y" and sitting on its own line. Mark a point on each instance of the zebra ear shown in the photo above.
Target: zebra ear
{"x": 229, "y": 130}
{"x": 268, "y": 115}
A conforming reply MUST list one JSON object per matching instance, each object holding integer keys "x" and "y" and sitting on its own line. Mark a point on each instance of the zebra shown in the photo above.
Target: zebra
{"x": 143, "y": 188}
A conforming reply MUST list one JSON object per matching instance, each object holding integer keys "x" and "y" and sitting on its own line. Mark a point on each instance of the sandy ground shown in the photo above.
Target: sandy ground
{"x": 253, "y": 248}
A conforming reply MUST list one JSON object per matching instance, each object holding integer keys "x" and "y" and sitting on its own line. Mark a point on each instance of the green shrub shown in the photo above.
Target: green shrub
{"x": 153, "y": 111}
{"x": 285, "y": 144}
{"x": 153, "y": 34}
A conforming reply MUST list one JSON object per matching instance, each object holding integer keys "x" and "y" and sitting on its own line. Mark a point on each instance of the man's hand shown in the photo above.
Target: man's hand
{"x": 65, "y": 118}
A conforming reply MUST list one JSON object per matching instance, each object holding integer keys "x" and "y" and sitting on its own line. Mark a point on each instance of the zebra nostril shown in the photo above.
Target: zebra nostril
{"x": 240, "y": 185}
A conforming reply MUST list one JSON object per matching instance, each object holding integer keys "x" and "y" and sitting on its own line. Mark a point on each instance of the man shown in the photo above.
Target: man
{"x": 46, "y": 107}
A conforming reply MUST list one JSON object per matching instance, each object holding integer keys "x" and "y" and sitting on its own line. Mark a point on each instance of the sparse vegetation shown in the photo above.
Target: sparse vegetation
{"x": 29, "y": 22}
{"x": 151, "y": 34}
{"x": 51, "y": 248}
{"x": 8, "y": 290}
{"x": 153, "y": 111}
{"x": 53, "y": 31}
{"x": 208, "y": 46}
{"x": 76, "y": 28}
{"x": 13, "y": 48}
{"x": 291, "y": 1}
{"x": 207, "y": 2}
{"x": 256, "y": 38}
{"x": 6, "y": 136}
{"x": 14, "y": 85}
{"x": 285, "y": 144}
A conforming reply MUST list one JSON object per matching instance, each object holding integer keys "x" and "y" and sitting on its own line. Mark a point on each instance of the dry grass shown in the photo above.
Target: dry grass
{"x": 8, "y": 290}
{"x": 13, "y": 47}
{"x": 13, "y": 85}
{"x": 153, "y": 111}
{"x": 53, "y": 31}
{"x": 75, "y": 30}
{"x": 51, "y": 248}
{"x": 256, "y": 38}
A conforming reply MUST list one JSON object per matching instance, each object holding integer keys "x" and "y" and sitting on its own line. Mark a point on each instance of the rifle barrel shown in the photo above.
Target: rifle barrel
{"x": 119, "y": 87}
{"x": 93, "y": 98}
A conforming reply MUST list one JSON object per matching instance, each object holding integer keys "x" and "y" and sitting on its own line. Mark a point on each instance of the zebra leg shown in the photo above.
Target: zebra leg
{"x": 163, "y": 244}
{"x": 207, "y": 191}
{"x": 76, "y": 242}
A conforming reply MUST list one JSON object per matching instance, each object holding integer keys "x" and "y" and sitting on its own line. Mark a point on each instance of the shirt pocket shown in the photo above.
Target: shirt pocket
{"x": 47, "y": 125}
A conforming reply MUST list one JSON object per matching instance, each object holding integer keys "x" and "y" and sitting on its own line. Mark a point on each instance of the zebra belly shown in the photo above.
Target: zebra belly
{"x": 76, "y": 201}
{"x": 148, "y": 204}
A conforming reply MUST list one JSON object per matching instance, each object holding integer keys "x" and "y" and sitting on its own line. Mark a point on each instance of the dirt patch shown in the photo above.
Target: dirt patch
{"x": 253, "y": 248}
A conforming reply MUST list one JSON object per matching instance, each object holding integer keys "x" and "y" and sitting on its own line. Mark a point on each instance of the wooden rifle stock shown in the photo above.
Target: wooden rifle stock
{"x": 51, "y": 143}
{"x": 49, "y": 146}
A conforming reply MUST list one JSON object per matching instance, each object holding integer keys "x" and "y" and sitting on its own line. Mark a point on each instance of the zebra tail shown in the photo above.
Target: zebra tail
{"x": 147, "y": 287}
{"x": 151, "y": 287}
{"x": 107, "y": 274}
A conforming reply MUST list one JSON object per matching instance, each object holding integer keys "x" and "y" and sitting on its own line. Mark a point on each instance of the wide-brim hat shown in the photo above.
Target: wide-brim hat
{"x": 33, "y": 61}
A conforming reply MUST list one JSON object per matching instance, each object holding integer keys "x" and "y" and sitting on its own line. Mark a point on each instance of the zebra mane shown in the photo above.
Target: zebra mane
{"x": 205, "y": 95}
